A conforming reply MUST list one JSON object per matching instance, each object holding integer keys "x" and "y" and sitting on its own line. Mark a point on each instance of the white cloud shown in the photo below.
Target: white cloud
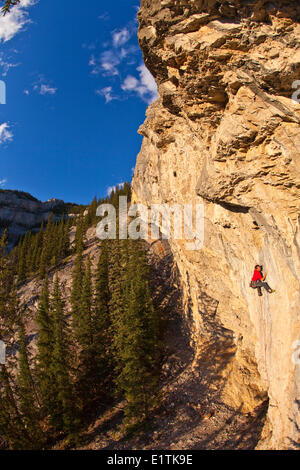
{"x": 107, "y": 93}
{"x": 128, "y": 51}
{"x": 47, "y": 90}
{"x": 115, "y": 51}
{"x": 130, "y": 83}
{"x": 15, "y": 21}
{"x": 121, "y": 37}
{"x": 42, "y": 87}
{"x": 145, "y": 86}
{"x": 106, "y": 64}
{"x": 3, "y": 182}
{"x": 5, "y": 133}
{"x": 6, "y": 64}
{"x": 118, "y": 55}
{"x": 110, "y": 189}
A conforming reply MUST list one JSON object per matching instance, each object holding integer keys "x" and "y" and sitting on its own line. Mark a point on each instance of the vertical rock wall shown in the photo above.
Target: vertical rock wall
{"x": 225, "y": 132}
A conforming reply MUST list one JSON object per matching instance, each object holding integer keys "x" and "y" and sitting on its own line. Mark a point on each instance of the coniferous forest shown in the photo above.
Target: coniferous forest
{"x": 100, "y": 348}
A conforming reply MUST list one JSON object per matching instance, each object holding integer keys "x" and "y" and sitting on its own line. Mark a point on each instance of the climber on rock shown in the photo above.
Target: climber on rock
{"x": 258, "y": 280}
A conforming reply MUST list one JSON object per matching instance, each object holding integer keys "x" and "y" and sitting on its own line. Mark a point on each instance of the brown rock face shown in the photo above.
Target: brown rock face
{"x": 225, "y": 132}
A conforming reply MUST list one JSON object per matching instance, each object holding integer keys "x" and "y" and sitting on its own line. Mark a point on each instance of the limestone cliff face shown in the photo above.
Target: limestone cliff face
{"x": 225, "y": 132}
{"x": 20, "y": 212}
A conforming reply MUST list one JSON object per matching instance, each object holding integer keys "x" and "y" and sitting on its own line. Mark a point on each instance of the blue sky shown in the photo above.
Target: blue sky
{"x": 76, "y": 93}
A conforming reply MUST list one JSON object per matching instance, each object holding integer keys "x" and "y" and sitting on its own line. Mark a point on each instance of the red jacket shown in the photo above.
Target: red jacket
{"x": 257, "y": 275}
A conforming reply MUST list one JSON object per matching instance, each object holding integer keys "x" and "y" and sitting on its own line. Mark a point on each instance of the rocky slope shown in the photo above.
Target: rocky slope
{"x": 20, "y": 212}
{"x": 190, "y": 415}
{"x": 225, "y": 133}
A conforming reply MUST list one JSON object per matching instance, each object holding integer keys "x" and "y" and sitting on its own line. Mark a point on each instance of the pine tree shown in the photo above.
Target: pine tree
{"x": 29, "y": 254}
{"x": 79, "y": 234}
{"x": 12, "y": 426}
{"x": 90, "y": 217}
{"x": 37, "y": 249}
{"x": 3, "y": 279}
{"x": 22, "y": 262}
{"x": 101, "y": 322}
{"x": 12, "y": 307}
{"x": 27, "y": 393}
{"x": 76, "y": 291}
{"x": 137, "y": 340}
{"x": 63, "y": 241}
{"x": 64, "y": 416}
{"x": 118, "y": 256}
{"x": 46, "y": 254}
{"x": 8, "y": 4}
{"x": 45, "y": 345}
{"x": 8, "y": 298}
{"x": 84, "y": 337}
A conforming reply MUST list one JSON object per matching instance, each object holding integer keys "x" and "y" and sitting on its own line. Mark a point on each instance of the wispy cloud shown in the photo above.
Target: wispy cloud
{"x": 110, "y": 189}
{"x": 144, "y": 86}
{"x": 47, "y": 90}
{"x": 42, "y": 87}
{"x": 116, "y": 61}
{"x": 104, "y": 17}
{"x": 121, "y": 37}
{"x": 6, "y": 64}
{"x": 5, "y": 133}
{"x": 3, "y": 182}
{"x": 107, "y": 92}
{"x": 116, "y": 51}
{"x": 13, "y": 23}
{"x": 106, "y": 64}
{"x": 88, "y": 46}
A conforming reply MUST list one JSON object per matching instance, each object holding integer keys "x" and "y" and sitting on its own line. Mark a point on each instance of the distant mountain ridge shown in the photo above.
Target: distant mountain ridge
{"x": 20, "y": 212}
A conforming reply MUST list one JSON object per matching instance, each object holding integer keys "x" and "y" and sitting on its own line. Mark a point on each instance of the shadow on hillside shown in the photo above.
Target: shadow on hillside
{"x": 192, "y": 414}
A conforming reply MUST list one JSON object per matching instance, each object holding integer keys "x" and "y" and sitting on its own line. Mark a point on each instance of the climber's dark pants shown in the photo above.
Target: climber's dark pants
{"x": 263, "y": 284}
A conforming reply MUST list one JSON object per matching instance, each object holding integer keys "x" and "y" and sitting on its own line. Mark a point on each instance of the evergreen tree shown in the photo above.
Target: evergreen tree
{"x": 118, "y": 255}
{"x": 45, "y": 345}
{"x": 7, "y": 5}
{"x": 8, "y": 298}
{"x": 12, "y": 427}
{"x": 76, "y": 290}
{"x": 46, "y": 254}
{"x": 84, "y": 337}
{"x": 79, "y": 234}
{"x": 22, "y": 261}
{"x": 27, "y": 393}
{"x": 63, "y": 241}
{"x": 90, "y": 217}
{"x": 64, "y": 416}
{"x": 29, "y": 255}
{"x": 137, "y": 340}
{"x": 101, "y": 322}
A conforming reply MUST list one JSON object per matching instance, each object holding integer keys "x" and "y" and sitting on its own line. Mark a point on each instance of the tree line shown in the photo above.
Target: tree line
{"x": 103, "y": 349}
